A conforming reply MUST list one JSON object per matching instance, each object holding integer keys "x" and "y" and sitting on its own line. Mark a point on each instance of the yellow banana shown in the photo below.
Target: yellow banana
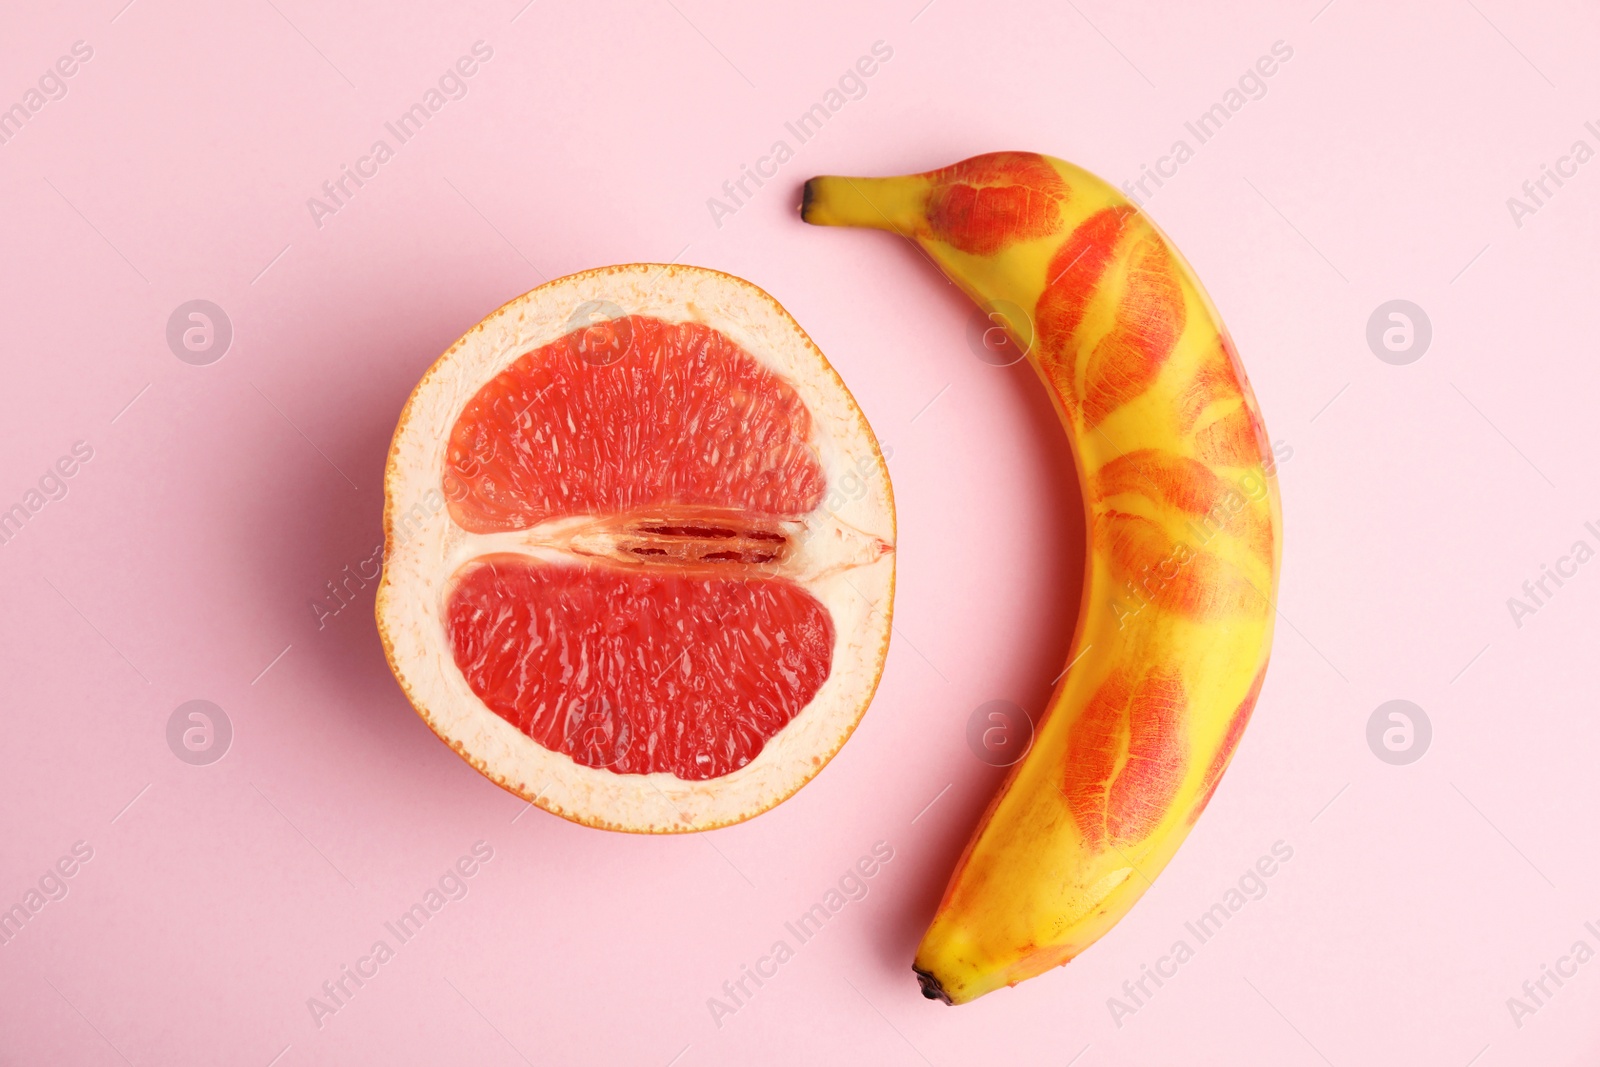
{"x": 1184, "y": 533}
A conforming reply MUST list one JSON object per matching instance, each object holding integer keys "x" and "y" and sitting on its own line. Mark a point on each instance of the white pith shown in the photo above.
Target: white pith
{"x": 843, "y": 555}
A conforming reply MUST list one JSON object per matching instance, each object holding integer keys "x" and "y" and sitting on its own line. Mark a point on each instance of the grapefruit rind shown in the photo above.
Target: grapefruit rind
{"x": 844, "y": 555}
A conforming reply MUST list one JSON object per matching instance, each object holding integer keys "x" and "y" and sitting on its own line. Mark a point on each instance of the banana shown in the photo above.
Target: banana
{"x": 1184, "y": 531}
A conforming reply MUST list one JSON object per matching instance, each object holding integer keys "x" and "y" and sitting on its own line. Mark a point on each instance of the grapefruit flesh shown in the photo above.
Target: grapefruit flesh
{"x": 640, "y": 673}
{"x": 632, "y": 413}
{"x": 649, "y": 583}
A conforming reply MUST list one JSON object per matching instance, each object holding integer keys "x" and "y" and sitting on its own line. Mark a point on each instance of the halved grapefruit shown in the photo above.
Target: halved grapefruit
{"x": 639, "y": 550}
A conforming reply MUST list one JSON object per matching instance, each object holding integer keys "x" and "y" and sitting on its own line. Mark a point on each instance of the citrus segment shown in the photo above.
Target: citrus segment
{"x": 631, "y": 413}
{"x": 639, "y": 672}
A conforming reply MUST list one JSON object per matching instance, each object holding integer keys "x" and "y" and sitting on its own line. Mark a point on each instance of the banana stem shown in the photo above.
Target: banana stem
{"x": 877, "y": 203}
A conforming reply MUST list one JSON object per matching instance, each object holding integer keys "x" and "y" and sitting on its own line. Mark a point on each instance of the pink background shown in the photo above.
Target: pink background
{"x": 182, "y": 561}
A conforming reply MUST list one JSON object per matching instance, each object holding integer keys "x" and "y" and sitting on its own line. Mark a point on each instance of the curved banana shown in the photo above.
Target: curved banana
{"x": 1183, "y": 532}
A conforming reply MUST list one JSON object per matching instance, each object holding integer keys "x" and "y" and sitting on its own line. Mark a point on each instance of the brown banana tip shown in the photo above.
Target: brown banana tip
{"x": 807, "y": 194}
{"x": 931, "y": 987}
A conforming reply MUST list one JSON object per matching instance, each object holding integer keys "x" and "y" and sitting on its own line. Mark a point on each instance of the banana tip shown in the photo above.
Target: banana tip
{"x": 807, "y": 195}
{"x": 931, "y": 987}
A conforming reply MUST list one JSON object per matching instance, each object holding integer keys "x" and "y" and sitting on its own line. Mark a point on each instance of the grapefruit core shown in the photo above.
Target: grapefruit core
{"x": 639, "y": 550}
